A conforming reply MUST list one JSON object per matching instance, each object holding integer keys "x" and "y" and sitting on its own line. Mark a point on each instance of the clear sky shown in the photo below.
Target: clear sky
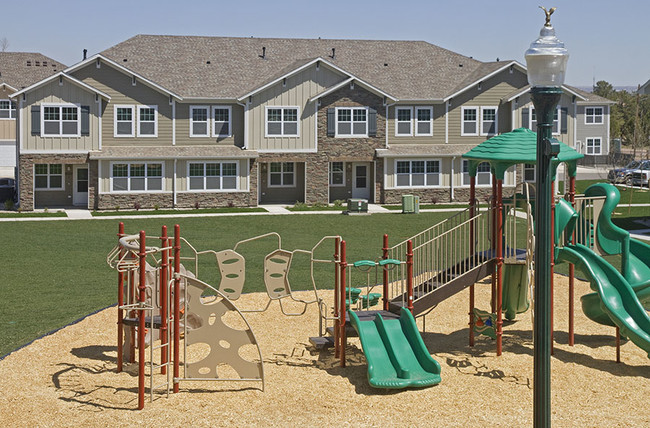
{"x": 607, "y": 40}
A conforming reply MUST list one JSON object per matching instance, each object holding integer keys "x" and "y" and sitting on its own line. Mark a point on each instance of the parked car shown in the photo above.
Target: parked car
{"x": 7, "y": 189}
{"x": 640, "y": 176}
{"x": 621, "y": 175}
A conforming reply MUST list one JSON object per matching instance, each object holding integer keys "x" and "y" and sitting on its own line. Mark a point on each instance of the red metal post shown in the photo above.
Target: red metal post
{"x": 499, "y": 221}
{"x": 493, "y": 204}
{"x": 385, "y": 256}
{"x": 572, "y": 199}
{"x": 132, "y": 312}
{"x": 552, "y": 280}
{"x": 120, "y": 302}
{"x": 164, "y": 291}
{"x": 472, "y": 208}
{"x": 618, "y": 345}
{"x": 337, "y": 271}
{"x": 177, "y": 303}
{"x": 141, "y": 315}
{"x": 409, "y": 274}
{"x": 342, "y": 334}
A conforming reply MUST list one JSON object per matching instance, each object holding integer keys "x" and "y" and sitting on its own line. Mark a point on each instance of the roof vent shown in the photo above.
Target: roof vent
{"x": 85, "y": 53}
{"x": 37, "y": 63}
{"x": 333, "y": 53}
{"x": 29, "y": 63}
{"x": 263, "y": 56}
{"x": 385, "y": 64}
{"x": 124, "y": 60}
{"x": 460, "y": 65}
{"x": 44, "y": 63}
{"x": 497, "y": 59}
{"x": 207, "y": 62}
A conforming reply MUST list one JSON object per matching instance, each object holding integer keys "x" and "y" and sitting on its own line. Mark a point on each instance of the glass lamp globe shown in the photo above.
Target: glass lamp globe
{"x": 546, "y": 59}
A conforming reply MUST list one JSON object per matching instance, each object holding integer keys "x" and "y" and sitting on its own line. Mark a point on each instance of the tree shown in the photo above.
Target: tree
{"x": 4, "y": 44}
{"x": 605, "y": 89}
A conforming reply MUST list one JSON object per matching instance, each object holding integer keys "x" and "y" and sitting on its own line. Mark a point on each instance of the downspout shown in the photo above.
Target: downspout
{"x": 174, "y": 183}
{"x": 19, "y": 147}
{"x": 447, "y": 122}
{"x": 173, "y": 122}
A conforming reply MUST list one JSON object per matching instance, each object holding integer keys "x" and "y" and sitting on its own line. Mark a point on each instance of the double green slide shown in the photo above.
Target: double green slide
{"x": 619, "y": 297}
{"x": 396, "y": 354}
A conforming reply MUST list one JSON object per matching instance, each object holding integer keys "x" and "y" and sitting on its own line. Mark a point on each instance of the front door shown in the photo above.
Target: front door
{"x": 80, "y": 191}
{"x": 360, "y": 181}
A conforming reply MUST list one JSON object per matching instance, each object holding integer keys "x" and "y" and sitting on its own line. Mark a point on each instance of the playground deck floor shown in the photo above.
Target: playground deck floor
{"x": 69, "y": 379}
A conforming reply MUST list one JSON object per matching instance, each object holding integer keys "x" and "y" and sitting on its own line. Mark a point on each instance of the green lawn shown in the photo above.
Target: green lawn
{"x": 628, "y": 195}
{"x": 56, "y": 272}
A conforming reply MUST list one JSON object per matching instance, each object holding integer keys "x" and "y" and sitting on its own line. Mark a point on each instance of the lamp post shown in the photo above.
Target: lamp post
{"x": 546, "y": 62}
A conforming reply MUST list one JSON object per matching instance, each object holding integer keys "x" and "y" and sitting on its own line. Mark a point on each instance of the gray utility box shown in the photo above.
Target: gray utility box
{"x": 357, "y": 206}
{"x": 410, "y": 204}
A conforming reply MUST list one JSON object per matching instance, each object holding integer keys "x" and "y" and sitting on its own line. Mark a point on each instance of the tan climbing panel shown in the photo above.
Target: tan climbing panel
{"x": 276, "y": 268}
{"x": 232, "y": 267}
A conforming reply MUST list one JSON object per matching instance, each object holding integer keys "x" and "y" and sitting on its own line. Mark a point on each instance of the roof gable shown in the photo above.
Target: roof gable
{"x": 61, "y": 75}
{"x": 21, "y": 69}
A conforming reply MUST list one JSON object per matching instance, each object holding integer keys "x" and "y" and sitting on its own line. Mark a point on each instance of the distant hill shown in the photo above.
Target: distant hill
{"x": 618, "y": 88}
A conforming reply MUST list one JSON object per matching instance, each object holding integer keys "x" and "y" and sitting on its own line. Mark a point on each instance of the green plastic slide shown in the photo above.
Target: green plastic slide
{"x": 615, "y": 301}
{"x": 515, "y": 290}
{"x": 396, "y": 354}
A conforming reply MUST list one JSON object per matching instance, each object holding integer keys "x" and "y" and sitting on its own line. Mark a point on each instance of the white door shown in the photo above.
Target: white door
{"x": 360, "y": 181}
{"x": 80, "y": 186}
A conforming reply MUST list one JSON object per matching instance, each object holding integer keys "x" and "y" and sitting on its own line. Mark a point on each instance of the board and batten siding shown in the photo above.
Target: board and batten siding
{"x": 566, "y": 102}
{"x": 56, "y": 93}
{"x": 7, "y": 126}
{"x": 119, "y": 87}
{"x": 438, "y": 136}
{"x": 298, "y": 90}
{"x": 490, "y": 95}
{"x": 183, "y": 126}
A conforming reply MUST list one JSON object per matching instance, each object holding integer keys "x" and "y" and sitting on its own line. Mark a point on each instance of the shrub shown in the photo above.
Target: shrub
{"x": 9, "y": 204}
{"x": 156, "y": 207}
{"x": 231, "y": 204}
{"x": 136, "y": 206}
{"x": 197, "y": 205}
{"x": 117, "y": 208}
{"x": 339, "y": 203}
{"x": 434, "y": 200}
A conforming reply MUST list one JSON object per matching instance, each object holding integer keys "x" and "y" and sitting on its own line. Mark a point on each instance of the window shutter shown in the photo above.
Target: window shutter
{"x": 563, "y": 120}
{"x": 525, "y": 119}
{"x": 85, "y": 120}
{"x": 36, "y": 120}
{"x": 372, "y": 122}
{"x": 331, "y": 122}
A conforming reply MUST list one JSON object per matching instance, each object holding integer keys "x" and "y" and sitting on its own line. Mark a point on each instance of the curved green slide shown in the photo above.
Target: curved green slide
{"x": 396, "y": 354}
{"x": 616, "y": 301}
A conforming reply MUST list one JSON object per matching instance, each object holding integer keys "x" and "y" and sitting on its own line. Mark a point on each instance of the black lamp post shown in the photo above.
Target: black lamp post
{"x": 546, "y": 62}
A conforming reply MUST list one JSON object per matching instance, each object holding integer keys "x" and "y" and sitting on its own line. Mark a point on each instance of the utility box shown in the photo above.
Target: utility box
{"x": 357, "y": 206}
{"x": 410, "y": 204}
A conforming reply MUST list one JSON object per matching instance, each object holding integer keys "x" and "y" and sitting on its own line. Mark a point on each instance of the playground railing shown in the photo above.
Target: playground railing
{"x": 589, "y": 209}
{"x": 444, "y": 255}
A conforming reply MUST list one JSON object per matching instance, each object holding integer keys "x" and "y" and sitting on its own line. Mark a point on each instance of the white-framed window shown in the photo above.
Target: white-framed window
{"x": 469, "y": 125}
{"x": 403, "y": 121}
{"x": 351, "y": 121}
{"x": 529, "y": 172}
{"x": 337, "y": 174}
{"x": 282, "y": 174}
{"x": 7, "y": 109}
{"x": 60, "y": 120}
{"x": 222, "y": 121}
{"x": 594, "y": 146}
{"x": 489, "y": 121}
{"x": 593, "y": 115}
{"x": 282, "y": 121}
{"x": 556, "y": 120}
{"x": 199, "y": 121}
{"x": 48, "y": 176}
{"x": 208, "y": 176}
{"x": 483, "y": 174}
{"x": 147, "y": 121}
{"x": 124, "y": 121}
{"x": 136, "y": 176}
{"x": 424, "y": 121}
{"x": 417, "y": 173}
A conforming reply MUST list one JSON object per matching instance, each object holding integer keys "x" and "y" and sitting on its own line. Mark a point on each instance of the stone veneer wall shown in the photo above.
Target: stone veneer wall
{"x": 26, "y": 172}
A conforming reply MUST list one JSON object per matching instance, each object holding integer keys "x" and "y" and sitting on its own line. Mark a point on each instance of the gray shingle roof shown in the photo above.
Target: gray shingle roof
{"x": 588, "y": 96}
{"x": 14, "y": 70}
{"x": 404, "y": 69}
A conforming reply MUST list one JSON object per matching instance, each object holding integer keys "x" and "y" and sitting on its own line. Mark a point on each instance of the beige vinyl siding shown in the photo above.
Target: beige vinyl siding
{"x": 54, "y": 93}
{"x": 182, "y": 174}
{"x": 299, "y": 88}
{"x": 183, "y": 126}
{"x": 490, "y": 95}
{"x": 8, "y": 129}
{"x": 592, "y": 130}
{"x": 566, "y": 101}
{"x": 122, "y": 92}
{"x": 105, "y": 168}
{"x": 438, "y": 136}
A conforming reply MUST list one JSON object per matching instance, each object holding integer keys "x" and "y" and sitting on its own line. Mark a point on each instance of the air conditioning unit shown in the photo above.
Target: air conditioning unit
{"x": 357, "y": 205}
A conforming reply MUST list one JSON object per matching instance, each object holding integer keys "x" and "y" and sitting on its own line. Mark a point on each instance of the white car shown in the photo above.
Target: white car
{"x": 640, "y": 176}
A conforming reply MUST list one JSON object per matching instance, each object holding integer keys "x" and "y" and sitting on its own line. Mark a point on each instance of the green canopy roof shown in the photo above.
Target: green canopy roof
{"x": 515, "y": 147}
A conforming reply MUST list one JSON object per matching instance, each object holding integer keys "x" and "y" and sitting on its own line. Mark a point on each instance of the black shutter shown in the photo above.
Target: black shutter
{"x": 525, "y": 121}
{"x": 372, "y": 122}
{"x": 36, "y": 120}
{"x": 85, "y": 120}
{"x": 331, "y": 122}
{"x": 563, "y": 121}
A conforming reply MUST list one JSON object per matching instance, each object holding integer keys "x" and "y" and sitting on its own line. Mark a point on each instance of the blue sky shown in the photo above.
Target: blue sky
{"x": 606, "y": 40}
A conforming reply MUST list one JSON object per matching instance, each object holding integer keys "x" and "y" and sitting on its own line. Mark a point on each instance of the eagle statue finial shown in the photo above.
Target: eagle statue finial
{"x": 548, "y": 15}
